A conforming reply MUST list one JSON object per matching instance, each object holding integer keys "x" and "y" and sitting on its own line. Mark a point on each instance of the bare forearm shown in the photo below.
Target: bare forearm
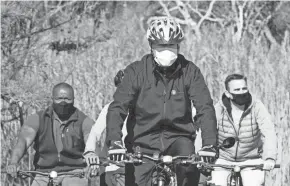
{"x": 18, "y": 151}
{"x": 25, "y": 138}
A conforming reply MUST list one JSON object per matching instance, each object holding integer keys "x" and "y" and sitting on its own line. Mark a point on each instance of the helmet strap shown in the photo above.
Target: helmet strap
{"x": 151, "y": 49}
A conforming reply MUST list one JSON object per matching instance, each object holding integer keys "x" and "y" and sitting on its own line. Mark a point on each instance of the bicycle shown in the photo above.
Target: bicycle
{"x": 234, "y": 178}
{"x": 52, "y": 176}
{"x": 165, "y": 174}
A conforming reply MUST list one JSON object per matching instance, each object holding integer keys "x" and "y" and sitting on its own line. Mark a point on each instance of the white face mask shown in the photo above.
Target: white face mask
{"x": 165, "y": 58}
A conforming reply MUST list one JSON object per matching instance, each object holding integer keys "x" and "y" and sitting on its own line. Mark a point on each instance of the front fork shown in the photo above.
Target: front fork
{"x": 234, "y": 179}
{"x": 161, "y": 180}
{"x": 166, "y": 180}
{"x": 50, "y": 181}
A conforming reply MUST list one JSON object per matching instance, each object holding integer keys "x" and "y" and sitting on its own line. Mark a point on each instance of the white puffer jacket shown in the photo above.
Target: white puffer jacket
{"x": 255, "y": 135}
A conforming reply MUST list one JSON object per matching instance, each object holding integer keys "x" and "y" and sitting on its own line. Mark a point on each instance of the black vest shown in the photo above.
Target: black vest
{"x": 47, "y": 156}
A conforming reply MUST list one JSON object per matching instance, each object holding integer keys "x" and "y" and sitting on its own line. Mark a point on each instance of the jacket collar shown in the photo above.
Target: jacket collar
{"x": 226, "y": 103}
{"x": 176, "y": 67}
{"x": 49, "y": 112}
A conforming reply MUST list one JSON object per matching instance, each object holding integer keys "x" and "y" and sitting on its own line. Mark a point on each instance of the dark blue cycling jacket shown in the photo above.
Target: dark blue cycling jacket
{"x": 161, "y": 106}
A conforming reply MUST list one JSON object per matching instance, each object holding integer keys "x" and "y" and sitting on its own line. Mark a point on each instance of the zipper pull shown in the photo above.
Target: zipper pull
{"x": 164, "y": 95}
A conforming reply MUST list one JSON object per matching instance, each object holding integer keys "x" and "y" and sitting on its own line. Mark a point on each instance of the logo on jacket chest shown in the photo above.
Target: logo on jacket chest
{"x": 173, "y": 92}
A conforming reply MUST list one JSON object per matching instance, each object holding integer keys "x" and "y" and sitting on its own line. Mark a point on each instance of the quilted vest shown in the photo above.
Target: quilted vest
{"x": 247, "y": 134}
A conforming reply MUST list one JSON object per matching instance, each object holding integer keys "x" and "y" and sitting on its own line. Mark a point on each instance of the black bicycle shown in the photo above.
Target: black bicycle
{"x": 164, "y": 169}
{"x": 165, "y": 164}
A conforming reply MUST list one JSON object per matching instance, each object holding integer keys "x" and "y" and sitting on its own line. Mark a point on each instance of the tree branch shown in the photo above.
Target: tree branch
{"x": 194, "y": 10}
{"x": 21, "y": 115}
{"x": 187, "y": 18}
{"x": 33, "y": 33}
{"x": 9, "y": 120}
{"x": 165, "y": 8}
{"x": 199, "y": 13}
{"x": 207, "y": 13}
{"x": 269, "y": 35}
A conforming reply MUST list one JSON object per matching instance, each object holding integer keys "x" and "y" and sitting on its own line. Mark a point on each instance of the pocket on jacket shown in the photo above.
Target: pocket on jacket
{"x": 72, "y": 141}
{"x": 178, "y": 105}
{"x": 77, "y": 142}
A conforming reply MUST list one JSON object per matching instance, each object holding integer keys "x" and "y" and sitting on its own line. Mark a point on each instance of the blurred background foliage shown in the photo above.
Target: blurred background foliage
{"x": 85, "y": 43}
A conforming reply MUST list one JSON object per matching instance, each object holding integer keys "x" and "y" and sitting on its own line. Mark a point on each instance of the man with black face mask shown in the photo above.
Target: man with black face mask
{"x": 244, "y": 117}
{"x": 59, "y": 134}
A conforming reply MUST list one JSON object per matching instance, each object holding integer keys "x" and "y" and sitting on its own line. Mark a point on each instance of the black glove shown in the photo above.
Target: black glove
{"x": 208, "y": 154}
{"x": 117, "y": 151}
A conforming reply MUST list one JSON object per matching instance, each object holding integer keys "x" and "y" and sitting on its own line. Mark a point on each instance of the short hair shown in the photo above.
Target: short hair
{"x": 234, "y": 77}
{"x": 62, "y": 85}
{"x": 119, "y": 77}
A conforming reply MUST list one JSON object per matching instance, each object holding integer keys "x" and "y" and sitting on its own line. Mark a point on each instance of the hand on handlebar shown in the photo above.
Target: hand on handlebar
{"x": 12, "y": 170}
{"x": 208, "y": 154}
{"x": 117, "y": 151}
{"x": 269, "y": 164}
{"x": 92, "y": 161}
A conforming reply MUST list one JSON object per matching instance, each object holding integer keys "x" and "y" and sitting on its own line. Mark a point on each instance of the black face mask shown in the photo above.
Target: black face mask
{"x": 63, "y": 109}
{"x": 241, "y": 99}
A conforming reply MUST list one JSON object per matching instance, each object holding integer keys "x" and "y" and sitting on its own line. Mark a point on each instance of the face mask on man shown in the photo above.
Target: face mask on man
{"x": 241, "y": 99}
{"x": 63, "y": 109}
{"x": 165, "y": 58}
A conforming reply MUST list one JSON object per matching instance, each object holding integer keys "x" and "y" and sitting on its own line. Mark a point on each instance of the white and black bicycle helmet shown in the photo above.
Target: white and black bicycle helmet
{"x": 164, "y": 30}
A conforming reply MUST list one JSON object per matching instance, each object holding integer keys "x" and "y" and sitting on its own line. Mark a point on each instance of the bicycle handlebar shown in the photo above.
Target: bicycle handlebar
{"x": 237, "y": 168}
{"x": 51, "y": 173}
{"x": 138, "y": 158}
{"x": 169, "y": 159}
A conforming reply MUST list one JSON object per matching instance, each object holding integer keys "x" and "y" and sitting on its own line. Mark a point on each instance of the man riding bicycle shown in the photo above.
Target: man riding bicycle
{"x": 161, "y": 87}
{"x": 59, "y": 134}
{"x": 244, "y": 117}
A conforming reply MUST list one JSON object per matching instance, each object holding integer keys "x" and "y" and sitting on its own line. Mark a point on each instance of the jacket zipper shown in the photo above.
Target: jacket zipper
{"x": 238, "y": 135}
{"x": 164, "y": 107}
{"x": 237, "y": 132}
{"x": 62, "y": 136}
{"x": 238, "y": 139}
{"x": 58, "y": 154}
{"x": 164, "y": 114}
{"x": 164, "y": 104}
